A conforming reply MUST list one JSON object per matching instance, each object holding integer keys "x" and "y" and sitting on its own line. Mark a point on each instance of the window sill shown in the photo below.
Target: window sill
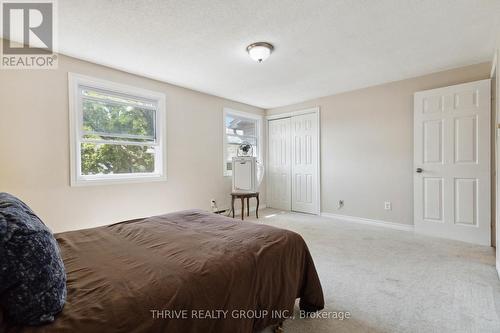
{"x": 117, "y": 179}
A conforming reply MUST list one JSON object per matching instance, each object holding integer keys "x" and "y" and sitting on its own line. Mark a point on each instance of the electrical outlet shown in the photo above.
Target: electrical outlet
{"x": 340, "y": 204}
{"x": 213, "y": 204}
{"x": 387, "y": 205}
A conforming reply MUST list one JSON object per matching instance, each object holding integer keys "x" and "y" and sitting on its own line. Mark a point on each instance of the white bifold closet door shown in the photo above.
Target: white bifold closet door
{"x": 294, "y": 163}
{"x": 305, "y": 171}
{"x": 279, "y": 165}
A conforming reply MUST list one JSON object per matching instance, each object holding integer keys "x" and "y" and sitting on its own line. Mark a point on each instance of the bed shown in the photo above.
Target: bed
{"x": 189, "y": 271}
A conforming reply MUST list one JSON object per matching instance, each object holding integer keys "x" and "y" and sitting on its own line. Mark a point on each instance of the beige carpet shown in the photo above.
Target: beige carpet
{"x": 395, "y": 281}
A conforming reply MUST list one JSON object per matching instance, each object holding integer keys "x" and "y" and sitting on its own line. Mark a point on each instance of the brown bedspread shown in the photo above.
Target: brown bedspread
{"x": 189, "y": 260}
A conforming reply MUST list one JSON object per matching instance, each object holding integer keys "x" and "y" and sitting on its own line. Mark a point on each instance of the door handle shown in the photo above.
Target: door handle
{"x": 419, "y": 170}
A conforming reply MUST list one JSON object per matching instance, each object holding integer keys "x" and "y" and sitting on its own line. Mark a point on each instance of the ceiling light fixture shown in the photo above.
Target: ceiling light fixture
{"x": 260, "y": 51}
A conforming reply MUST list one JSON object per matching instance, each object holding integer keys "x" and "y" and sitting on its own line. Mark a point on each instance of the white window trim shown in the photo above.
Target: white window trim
{"x": 75, "y": 118}
{"x": 260, "y": 141}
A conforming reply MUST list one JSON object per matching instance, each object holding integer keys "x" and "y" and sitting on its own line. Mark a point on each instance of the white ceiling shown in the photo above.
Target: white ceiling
{"x": 321, "y": 47}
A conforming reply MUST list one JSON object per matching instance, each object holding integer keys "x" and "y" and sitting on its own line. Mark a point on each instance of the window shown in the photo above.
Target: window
{"x": 117, "y": 132}
{"x": 240, "y": 127}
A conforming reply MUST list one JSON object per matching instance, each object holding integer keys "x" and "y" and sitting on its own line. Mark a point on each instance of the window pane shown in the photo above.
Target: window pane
{"x": 108, "y": 96}
{"x": 241, "y": 125}
{"x": 239, "y": 129}
{"x": 116, "y": 159}
{"x": 239, "y": 140}
{"x": 106, "y": 120}
{"x": 232, "y": 151}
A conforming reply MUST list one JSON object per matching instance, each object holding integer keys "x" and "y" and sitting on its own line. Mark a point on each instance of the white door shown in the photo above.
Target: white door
{"x": 279, "y": 167}
{"x": 305, "y": 163}
{"x": 452, "y": 162}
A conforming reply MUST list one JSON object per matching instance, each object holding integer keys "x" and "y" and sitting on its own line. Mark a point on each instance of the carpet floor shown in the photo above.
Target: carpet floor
{"x": 395, "y": 281}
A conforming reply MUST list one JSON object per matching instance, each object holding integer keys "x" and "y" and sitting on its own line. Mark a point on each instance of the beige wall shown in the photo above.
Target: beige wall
{"x": 367, "y": 144}
{"x": 34, "y": 150}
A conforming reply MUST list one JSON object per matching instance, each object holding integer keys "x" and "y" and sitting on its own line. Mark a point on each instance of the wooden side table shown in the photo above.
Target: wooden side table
{"x": 243, "y": 196}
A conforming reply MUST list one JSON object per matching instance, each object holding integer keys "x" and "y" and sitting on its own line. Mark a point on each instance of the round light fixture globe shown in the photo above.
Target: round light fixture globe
{"x": 260, "y": 51}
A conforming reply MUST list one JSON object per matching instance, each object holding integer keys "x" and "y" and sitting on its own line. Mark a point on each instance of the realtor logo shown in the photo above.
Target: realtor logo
{"x": 28, "y": 31}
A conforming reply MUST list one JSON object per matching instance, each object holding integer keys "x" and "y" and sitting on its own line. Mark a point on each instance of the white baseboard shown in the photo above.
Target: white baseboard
{"x": 378, "y": 223}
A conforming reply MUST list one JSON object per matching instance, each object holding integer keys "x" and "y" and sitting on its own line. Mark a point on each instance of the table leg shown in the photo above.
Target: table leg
{"x": 242, "y": 209}
{"x": 248, "y": 206}
{"x": 257, "y": 208}
{"x": 232, "y": 205}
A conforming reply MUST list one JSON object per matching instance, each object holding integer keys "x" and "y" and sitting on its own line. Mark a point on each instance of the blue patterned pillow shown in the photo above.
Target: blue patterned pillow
{"x": 32, "y": 277}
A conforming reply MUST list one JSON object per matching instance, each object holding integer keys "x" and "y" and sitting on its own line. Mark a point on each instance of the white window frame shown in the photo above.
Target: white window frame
{"x": 260, "y": 141}
{"x": 75, "y": 81}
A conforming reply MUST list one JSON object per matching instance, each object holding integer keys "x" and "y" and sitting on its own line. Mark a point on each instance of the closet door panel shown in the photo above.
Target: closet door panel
{"x": 305, "y": 171}
{"x": 279, "y": 164}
